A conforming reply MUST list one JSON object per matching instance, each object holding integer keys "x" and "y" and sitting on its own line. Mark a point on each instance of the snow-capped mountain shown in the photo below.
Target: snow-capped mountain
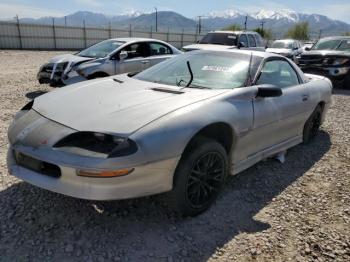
{"x": 277, "y": 20}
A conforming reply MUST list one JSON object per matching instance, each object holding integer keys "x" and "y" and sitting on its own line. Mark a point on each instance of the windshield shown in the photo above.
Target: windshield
{"x": 220, "y": 39}
{"x": 101, "y": 49}
{"x": 281, "y": 44}
{"x": 335, "y": 44}
{"x": 214, "y": 70}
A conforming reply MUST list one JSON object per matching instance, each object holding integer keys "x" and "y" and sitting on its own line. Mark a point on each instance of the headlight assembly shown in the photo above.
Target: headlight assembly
{"x": 61, "y": 66}
{"x": 109, "y": 145}
{"x": 335, "y": 61}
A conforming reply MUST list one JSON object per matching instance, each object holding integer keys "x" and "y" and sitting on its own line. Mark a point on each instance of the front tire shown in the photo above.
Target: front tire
{"x": 312, "y": 125}
{"x": 199, "y": 177}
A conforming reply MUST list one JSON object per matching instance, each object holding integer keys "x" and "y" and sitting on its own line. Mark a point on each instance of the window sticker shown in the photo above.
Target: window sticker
{"x": 213, "y": 68}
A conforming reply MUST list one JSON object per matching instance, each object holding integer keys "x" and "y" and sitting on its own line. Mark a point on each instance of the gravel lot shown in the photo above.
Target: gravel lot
{"x": 297, "y": 211}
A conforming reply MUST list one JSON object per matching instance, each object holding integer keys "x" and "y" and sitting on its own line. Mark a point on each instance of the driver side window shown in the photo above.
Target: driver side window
{"x": 135, "y": 50}
{"x": 243, "y": 39}
{"x": 278, "y": 73}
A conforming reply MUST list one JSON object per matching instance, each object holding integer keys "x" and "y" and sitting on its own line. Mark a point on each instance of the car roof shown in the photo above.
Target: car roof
{"x": 336, "y": 38}
{"x": 239, "y": 51}
{"x": 135, "y": 39}
{"x": 286, "y": 40}
{"x": 233, "y": 32}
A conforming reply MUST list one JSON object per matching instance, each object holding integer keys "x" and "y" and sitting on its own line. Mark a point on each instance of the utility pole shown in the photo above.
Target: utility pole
{"x": 156, "y": 19}
{"x": 320, "y": 34}
{"x": 65, "y": 21}
{"x": 245, "y": 22}
{"x": 199, "y": 24}
{"x": 262, "y": 25}
{"x": 19, "y": 32}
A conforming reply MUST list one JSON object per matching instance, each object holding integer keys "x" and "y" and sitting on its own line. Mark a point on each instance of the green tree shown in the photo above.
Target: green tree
{"x": 265, "y": 33}
{"x": 233, "y": 27}
{"x": 299, "y": 31}
{"x": 347, "y": 34}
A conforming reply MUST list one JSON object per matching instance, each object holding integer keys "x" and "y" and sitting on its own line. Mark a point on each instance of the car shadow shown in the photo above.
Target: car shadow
{"x": 338, "y": 91}
{"x": 35, "y": 94}
{"x": 38, "y": 224}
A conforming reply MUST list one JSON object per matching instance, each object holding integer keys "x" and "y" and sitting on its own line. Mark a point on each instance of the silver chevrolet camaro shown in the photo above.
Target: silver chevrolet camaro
{"x": 106, "y": 58}
{"x": 179, "y": 127}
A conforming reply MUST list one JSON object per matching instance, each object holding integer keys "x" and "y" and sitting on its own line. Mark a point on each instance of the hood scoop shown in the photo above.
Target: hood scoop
{"x": 167, "y": 90}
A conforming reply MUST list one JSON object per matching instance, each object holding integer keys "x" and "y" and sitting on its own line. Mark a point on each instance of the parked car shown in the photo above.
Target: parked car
{"x": 287, "y": 47}
{"x": 307, "y": 46}
{"x": 329, "y": 57}
{"x": 228, "y": 39}
{"x": 109, "y": 57}
{"x": 180, "y": 126}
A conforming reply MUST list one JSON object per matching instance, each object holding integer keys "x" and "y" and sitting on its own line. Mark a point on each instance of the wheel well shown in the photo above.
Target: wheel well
{"x": 220, "y": 132}
{"x": 322, "y": 104}
{"x": 97, "y": 75}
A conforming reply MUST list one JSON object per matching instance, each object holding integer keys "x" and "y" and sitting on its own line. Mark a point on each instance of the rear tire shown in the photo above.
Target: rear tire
{"x": 312, "y": 125}
{"x": 199, "y": 177}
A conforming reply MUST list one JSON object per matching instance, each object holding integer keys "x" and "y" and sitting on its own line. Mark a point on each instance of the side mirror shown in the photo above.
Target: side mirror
{"x": 307, "y": 48}
{"x": 241, "y": 45}
{"x": 123, "y": 55}
{"x": 268, "y": 91}
{"x": 197, "y": 41}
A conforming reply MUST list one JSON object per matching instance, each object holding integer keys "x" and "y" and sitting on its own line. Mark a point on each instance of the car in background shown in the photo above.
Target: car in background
{"x": 286, "y": 47}
{"x": 227, "y": 40}
{"x": 329, "y": 57}
{"x": 307, "y": 46}
{"x": 179, "y": 127}
{"x": 109, "y": 57}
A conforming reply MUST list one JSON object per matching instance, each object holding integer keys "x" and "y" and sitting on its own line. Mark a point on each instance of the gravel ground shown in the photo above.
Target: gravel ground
{"x": 297, "y": 211}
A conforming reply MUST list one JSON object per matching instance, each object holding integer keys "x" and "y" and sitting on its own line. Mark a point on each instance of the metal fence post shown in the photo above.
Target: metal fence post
{"x": 54, "y": 33}
{"x": 167, "y": 36}
{"x": 84, "y": 31}
{"x": 151, "y": 33}
{"x": 110, "y": 30}
{"x": 130, "y": 33}
{"x": 182, "y": 38}
{"x": 19, "y": 33}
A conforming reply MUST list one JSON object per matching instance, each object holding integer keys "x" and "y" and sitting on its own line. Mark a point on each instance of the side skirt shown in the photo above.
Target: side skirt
{"x": 269, "y": 152}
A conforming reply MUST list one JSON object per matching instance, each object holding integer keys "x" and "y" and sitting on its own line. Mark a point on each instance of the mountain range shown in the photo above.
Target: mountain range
{"x": 277, "y": 20}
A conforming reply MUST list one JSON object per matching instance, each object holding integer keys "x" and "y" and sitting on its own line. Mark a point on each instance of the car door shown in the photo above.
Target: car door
{"x": 279, "y": 119}
{"x": 159, "y": 52}
{"x": 136, "y": 60}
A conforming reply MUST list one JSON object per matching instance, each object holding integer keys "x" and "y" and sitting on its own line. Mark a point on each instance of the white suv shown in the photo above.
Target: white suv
{"x": 229, "y": 39}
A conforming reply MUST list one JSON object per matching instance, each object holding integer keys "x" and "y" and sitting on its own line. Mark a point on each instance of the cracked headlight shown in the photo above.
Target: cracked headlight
{"x": 106, "y": 144}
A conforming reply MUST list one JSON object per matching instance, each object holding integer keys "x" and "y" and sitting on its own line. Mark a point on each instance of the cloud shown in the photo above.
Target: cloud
{"x": 11, "y": 10}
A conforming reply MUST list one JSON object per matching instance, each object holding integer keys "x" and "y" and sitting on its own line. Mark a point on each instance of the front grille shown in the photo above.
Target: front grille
{"x": 311, "y": 59}
{"x": 37, "y": 165}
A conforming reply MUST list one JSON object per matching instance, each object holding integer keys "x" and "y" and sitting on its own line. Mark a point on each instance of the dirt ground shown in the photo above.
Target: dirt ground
{"x": 296, "y": 211}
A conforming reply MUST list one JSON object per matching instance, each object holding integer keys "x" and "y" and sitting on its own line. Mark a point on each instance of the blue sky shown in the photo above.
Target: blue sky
{"x": 337, "y": 9}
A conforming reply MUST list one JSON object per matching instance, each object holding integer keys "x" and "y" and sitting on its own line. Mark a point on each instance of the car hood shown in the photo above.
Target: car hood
{"x": 206, "y": 47}
{"x": 70, "y": 58}
{"x": 119, "y": 106}
{"x": 279, "y": 50}
{"x": 326, "y": 52}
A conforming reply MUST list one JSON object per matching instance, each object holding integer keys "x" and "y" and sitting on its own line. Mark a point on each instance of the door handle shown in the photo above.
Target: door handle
{"x": 305, "y": 97}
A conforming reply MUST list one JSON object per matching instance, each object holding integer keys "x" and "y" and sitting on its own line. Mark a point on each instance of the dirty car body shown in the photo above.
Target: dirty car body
{"x": 105, "y": 59}
{"x": 123, "y": 137}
